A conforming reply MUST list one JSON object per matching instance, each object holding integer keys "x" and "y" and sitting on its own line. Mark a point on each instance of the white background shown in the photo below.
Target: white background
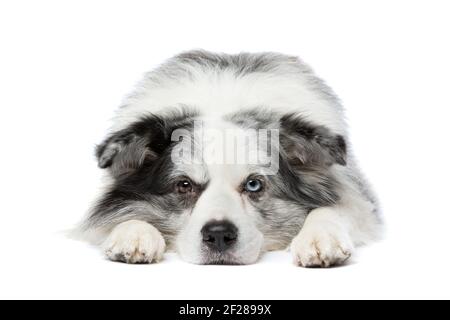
{"x": 66, "y": 65}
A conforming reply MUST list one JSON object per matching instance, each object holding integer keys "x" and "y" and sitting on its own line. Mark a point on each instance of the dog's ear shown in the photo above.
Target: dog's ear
{"x": 123, "y": 152}
{"x": 141, "y": 142}
{"x": 308, "y": 144}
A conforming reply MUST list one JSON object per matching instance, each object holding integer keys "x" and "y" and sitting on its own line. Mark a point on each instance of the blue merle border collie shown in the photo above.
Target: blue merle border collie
{"x": 173, "y": 184}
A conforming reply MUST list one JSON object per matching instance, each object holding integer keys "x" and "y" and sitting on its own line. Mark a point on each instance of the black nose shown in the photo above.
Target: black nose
{"x": 219, "y": 235}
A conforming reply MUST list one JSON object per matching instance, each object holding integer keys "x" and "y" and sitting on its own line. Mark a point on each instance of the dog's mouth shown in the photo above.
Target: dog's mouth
{"x": 223, "y": 262}
{"x": 221, "y": 259}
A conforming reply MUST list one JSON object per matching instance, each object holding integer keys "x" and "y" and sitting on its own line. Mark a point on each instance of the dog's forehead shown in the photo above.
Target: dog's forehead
{"x": 218, "y": 150}
{"x": 225, "y": 138}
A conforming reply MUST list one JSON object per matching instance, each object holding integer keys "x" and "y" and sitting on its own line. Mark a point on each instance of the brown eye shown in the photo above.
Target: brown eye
{"x": 184, "y": 186}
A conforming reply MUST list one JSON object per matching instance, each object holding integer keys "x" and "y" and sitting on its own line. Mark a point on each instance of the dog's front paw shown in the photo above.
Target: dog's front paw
{"x": 321, "y": 247}
{"x": 134, "y": 242}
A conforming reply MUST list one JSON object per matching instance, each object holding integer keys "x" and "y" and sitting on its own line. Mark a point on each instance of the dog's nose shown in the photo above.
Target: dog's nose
{"x": 219, "y": 235}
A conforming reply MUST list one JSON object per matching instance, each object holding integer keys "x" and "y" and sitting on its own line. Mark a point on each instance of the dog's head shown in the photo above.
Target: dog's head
{"x": 221, "y": 191}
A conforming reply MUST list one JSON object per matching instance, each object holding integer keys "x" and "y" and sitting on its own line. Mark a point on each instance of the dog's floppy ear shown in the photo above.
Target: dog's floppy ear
{"x": 123, "y": 152}
{"x": 127, "y": 150}
{"x": 309, "y": 144}
{"x": 142, "y": 142}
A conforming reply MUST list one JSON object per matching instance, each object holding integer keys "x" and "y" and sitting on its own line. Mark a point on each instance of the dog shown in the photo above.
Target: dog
{"x": 284, "y": 177}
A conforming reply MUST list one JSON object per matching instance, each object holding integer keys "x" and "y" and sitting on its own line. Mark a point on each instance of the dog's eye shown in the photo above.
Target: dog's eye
{"x": 184, "y": 186}
{"x": 253, "y": 185}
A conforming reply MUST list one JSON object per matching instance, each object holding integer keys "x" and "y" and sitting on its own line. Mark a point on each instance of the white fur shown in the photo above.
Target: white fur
{"x": 135, "y": 242}
{"x": 215, "y": 94}
{"x": 323, "y": 240}
{"x": 330, "y": 235}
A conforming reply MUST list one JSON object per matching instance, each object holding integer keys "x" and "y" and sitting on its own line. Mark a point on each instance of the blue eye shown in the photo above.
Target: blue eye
{"x": 253, "y": 185}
